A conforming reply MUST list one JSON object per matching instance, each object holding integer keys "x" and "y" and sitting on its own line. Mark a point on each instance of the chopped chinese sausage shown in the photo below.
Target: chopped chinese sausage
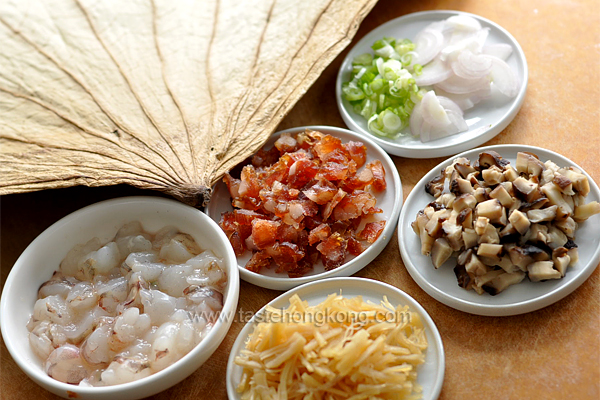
{"x": 333, "y": 251}
{"x": 286, "y": 143}
{"x": 258, "y": 260}
{"x": 264, "y": 233}
{"x": 321, "y": 192}
{"x": 378, "y": 174}
{"x": 357, "y": 152}
{"x": 303, "y": 200}
{"x": 372, "y": 231}
{"x": 301, "y": 172}
{"x": 354, "y": 205}
{"x": 265, "y": 158}
{"x": 319, "y": 234}
{"x": 354, "y": 247}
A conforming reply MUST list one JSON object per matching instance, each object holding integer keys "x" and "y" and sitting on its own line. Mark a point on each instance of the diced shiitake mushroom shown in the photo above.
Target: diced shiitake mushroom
{"x": 504, "y": 222}
{"x": 440, "y": 252}
{"x": 519, "y": 221}
{"x": 542, "y": 271}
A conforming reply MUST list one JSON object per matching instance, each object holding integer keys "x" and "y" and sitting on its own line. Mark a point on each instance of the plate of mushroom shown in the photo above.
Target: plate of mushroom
{"x": 501, "y": 230}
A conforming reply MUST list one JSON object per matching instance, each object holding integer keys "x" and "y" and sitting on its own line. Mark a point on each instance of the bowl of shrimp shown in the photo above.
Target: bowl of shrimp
{"x": 122, "y": 299}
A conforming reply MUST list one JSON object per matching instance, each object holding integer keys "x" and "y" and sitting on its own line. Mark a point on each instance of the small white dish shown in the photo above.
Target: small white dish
{"x": 521, "y": 298}
{"x": 390, "y": 201}
{"x": 43, "y": 256}
{"x": 485, "y": 120}
{"x": 430, "y": 374}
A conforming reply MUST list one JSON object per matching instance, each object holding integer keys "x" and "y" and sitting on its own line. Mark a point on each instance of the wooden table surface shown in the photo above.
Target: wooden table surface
{"x": 553, "y": 353}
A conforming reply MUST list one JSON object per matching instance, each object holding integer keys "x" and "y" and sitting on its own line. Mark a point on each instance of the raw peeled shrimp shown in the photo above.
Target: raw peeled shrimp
{"x": 122, "y": 310}
{"x": 65, "y": 364}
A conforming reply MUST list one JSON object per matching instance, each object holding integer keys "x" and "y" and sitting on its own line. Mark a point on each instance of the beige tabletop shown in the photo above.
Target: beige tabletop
{"x": 553, "y": 353}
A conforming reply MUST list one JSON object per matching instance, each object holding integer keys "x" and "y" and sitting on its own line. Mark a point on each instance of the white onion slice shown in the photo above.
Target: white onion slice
{"x": 465, "y": 100}
{"x": 428, "y": 44}
{"x": 433, "y": 112}
{"x": 456, "y": 84}
{"x": 459, "y": 41}
{"x": 434, "y": 72}
{"x": 463, "y": 23}
{"x": 471, "y": 66}
{"x": 437, "y": 26}
{"x": 454, "y": 113}
{"x": 449, "y": 105}
{"x": 500, "y": 50}
{"x": 416, "y": 120}
{"x": 427, "y": 131}
{"x": 504, "y": 78}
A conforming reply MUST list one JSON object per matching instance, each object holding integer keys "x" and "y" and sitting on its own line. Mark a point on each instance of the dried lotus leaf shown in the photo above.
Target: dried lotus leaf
{"x": 164, "y": 95}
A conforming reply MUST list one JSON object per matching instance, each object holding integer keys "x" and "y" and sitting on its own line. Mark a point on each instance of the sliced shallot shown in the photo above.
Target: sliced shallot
{"x": 504, "y": 78}
{"x": 456, "y": 84}
{"x": 460, "y": 41}
{"x": 470, "y": 66}
{"x": 434, "y": 72}
{"x": 433, "y": 112}
{"x": 466, "y": 100}
{"x": 500, "y": 50}
{"x": 463, "y": 23}
{"x": 428, "y": 125}
{"x": 428, "y": 44}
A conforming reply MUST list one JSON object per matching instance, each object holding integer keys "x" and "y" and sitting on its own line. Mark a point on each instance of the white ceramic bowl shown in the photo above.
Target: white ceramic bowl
{"x": 521, "y": 298}
{"x": 102, "y": 220}
{"x": 390, "y": 201}
{"x": 430, "y": 374}
{"x": 485, "y": 120}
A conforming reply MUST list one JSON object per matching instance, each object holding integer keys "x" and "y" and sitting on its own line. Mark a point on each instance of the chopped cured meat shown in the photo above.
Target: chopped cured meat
{"x": 327, "y": 145}
{"x": 237, "y": 243}
{"x": 249, "y": 186}
{"x": 359, "y": 181}
{"x": 258, "y": 260}
{"x": 286, "y": 255}
{"x": 265, "y": 158}
{"x": 233, "y": 185}
{"x": 372, "y": 231}
{"x": 301, "y": 172}
{"x": 334, "y": 171}
{"x": 321, "y": 192}
{"x": 276, "y": 173}
{"x": 355, "y": 247}
{"x": 264, "y": 233}
{"x": 333, "y": 251}
{"x": 379, "y": 175}
{"x": 354, "y": 205}
{"x": 287, "y": 233}
{"x": 319, "y": 234}
{"x": 328, "y": 209}
{"x": 301, "y": 201}
{"x": 286, "y": 143}
{"x": 357, "y": 151}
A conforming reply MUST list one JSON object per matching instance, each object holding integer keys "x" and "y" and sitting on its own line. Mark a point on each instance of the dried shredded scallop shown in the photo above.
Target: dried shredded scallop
{"x": 341, "y": 348}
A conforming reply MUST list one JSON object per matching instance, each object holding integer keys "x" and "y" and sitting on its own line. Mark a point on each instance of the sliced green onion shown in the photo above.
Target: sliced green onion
{"x": 418, "y": 68}
{"x": 406, "y": 59}
{"x": 363, "y": 59}
{"x": 353, "y": 93}
{"x": 381, "y": 89}
{"x": 391, "y": 122}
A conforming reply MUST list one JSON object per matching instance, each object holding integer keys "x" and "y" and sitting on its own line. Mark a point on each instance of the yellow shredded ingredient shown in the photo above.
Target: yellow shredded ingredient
{"x": 342, "y": 348}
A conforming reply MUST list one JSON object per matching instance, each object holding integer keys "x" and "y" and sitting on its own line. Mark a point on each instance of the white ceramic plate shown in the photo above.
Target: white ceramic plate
{"x": 524, "y": 297}
{"x": 390, "y": 201}
{"x": 430, "y": 374}
{"x": 43, "y": 256}
{"x": 485, "y": 120}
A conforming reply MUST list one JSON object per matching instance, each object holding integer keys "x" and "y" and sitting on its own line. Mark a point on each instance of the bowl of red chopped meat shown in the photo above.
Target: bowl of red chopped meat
{"x": 314, "y": 202}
